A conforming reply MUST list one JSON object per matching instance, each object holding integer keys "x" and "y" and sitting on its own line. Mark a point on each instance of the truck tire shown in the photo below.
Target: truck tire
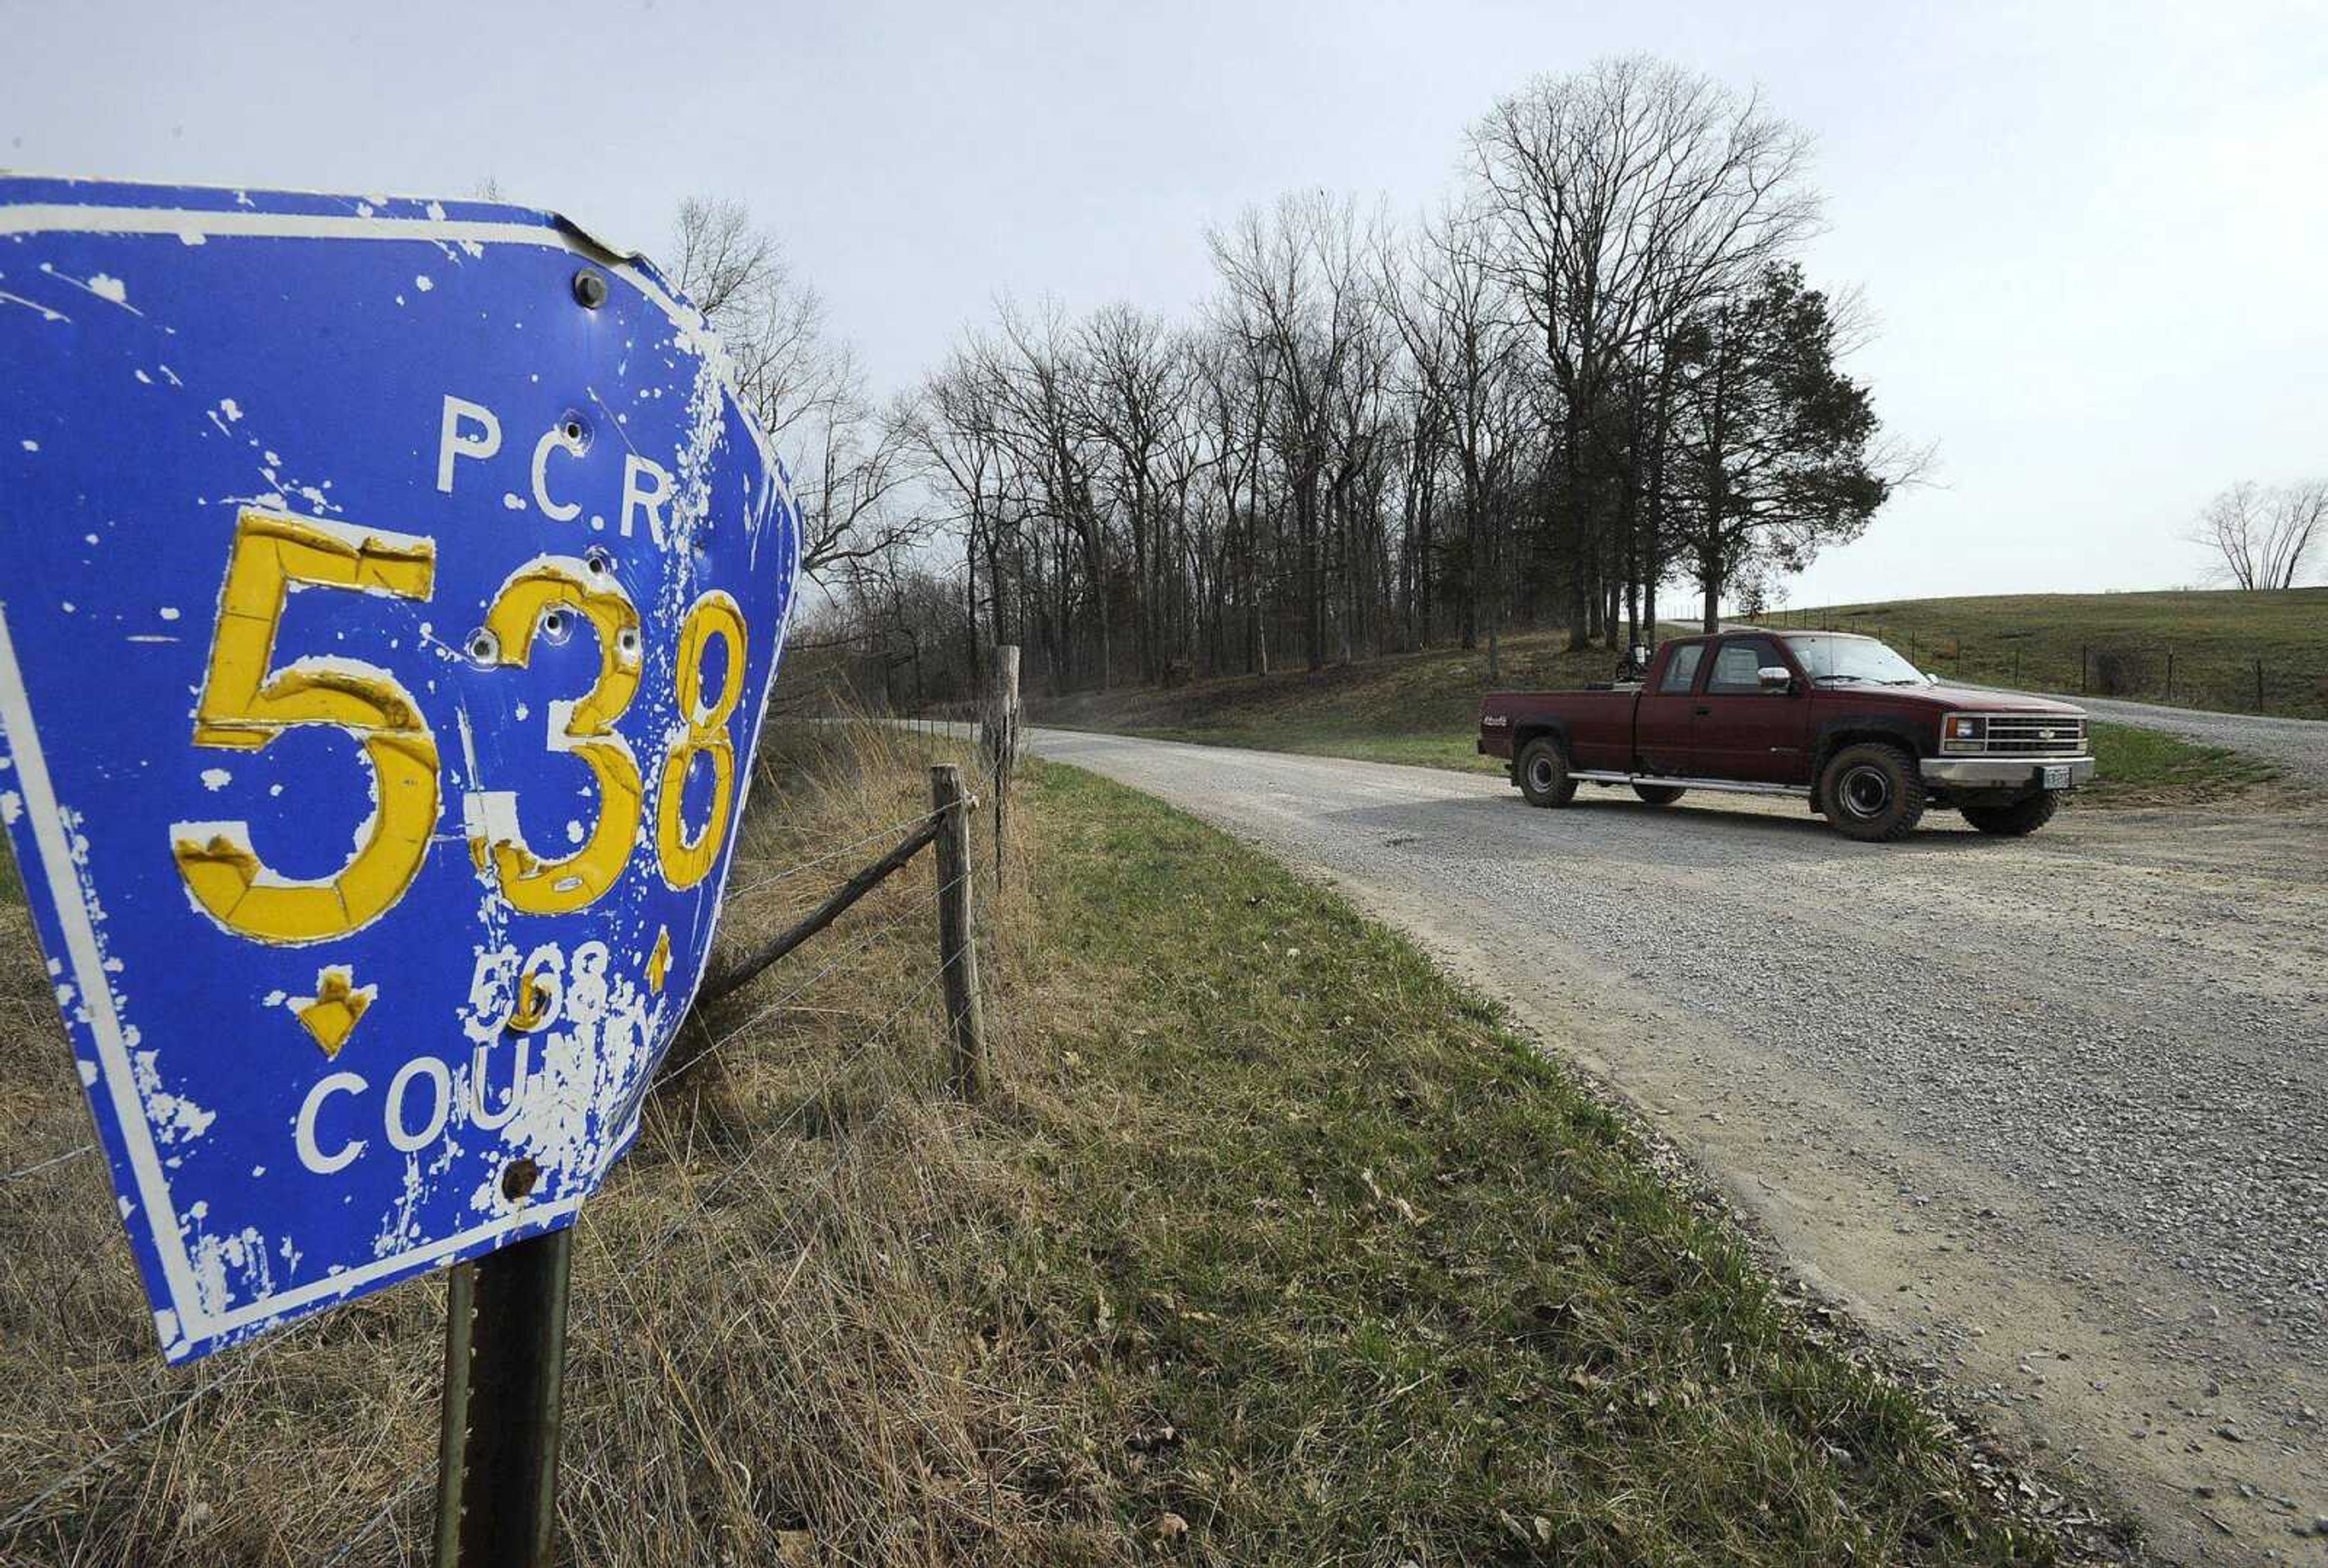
{"x": 1872, "y": 792}
{"x": 1658, "y": 794}
{"x": 2017, "y": 821}
{"x": 1542, "y": 773}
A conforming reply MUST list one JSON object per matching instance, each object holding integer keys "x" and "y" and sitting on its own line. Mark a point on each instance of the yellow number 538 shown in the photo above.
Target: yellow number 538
{"x": 246, "y": 703}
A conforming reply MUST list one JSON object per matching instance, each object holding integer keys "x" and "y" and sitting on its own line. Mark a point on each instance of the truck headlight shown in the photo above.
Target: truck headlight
{"x": 1964, "y": 732}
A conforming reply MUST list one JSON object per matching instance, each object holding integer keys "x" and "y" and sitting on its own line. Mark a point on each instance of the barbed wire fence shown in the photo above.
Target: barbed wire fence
{"x": 55, "y": 1512}
{"x": 594, "y": 1316}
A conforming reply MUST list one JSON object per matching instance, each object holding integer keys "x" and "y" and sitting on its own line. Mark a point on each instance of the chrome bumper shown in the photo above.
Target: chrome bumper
{"x": 1990, "y": 773}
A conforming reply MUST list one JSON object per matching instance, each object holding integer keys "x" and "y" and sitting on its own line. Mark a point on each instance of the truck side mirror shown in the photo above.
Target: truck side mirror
{"x": 1776, "y": 678}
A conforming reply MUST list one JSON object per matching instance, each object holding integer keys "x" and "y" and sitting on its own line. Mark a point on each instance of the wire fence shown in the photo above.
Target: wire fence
{"x": 895, "y": 830}
{"x": 594, "y": 1314}
{"x": 11, "y": 1177}
{"x": 2134, "y": 668}
{"x": 49, "y": 1514}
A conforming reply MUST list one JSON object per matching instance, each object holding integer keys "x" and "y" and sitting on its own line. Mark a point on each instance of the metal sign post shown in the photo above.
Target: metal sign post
{"x": 505, "y": 1374}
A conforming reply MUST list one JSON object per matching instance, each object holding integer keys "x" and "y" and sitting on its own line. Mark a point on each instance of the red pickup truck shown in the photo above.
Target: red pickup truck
{"x": 1840, "y": 721}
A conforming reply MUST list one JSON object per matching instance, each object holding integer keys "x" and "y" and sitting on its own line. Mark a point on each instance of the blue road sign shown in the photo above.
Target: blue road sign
{"x": 389, "y": 595}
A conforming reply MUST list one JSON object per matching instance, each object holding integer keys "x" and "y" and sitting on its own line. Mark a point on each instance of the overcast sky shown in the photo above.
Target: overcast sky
{"x": 2095, "y": 236}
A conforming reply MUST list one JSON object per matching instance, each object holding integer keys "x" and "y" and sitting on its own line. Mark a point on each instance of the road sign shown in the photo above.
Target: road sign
{"x": 390, "y": 594}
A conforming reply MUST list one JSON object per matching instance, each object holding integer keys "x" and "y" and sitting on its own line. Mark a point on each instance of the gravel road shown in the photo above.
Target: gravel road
{"x": 2299, "y": 744}
{"x": 2049, "y": 1111}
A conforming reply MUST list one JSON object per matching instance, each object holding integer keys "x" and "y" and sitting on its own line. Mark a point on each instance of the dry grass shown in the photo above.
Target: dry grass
{"x": 761, "y": 1330}
{"x": 1270, "y": 1245}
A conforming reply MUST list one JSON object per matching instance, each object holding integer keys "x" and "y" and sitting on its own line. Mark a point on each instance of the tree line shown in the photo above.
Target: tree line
{"x": 1595, "y": 371}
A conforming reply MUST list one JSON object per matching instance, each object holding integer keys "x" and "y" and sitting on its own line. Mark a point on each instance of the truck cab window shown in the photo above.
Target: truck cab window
{"x": 1736, "y": 668}
{"x": 1682, "y": 671}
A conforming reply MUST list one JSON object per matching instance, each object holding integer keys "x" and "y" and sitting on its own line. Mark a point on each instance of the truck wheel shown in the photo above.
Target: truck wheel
{"x": 1872, "y": 792}
{"x": 1658, "y": 794}
{"x": 2017, "y": 821}
{"x": 1543, "y": 774}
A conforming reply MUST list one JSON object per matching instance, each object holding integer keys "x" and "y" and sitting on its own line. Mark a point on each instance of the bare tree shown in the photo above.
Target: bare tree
{"x": 957, "y": 426}
{"x": 1625, "y": 198}
{"x": 1596, "y": 372}
{"x": 1235, "y": 413}
{"x": 2297, "y": 524}
{"x": 2265, "y": 537}
{"x": 1133, "y": 385}
{"x": 849, "y": 487}
{"x": 1296, "y": 295}
{"x": 1046, "y": 420}
{"x": 803, "y": 385}
{"x": 1466, "y": 359}
{"x": 771, "y": 323}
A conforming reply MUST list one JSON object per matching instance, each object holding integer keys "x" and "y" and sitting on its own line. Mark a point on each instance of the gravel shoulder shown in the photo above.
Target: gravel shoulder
{"x": 2044, "y": 1112}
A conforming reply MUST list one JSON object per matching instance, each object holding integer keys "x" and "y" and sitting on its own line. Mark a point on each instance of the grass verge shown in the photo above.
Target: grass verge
{"x": 1272, "y": 1245}
{"x": 2148, "y": 767}
{"x": 1397, "y": 1291}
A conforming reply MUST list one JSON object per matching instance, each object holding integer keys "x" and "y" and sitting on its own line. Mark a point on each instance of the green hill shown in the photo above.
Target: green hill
{"x": 2191, "y": 648}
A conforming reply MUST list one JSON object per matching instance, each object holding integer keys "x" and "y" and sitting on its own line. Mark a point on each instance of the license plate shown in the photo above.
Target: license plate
{"x": 2055, "y": 778}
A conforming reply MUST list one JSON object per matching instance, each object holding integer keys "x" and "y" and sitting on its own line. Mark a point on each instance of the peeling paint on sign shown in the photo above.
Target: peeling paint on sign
{"x": 382, "y": 633}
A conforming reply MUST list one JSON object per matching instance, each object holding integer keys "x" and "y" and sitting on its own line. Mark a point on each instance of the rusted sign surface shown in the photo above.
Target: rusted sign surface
{"x": 390, "y": 594}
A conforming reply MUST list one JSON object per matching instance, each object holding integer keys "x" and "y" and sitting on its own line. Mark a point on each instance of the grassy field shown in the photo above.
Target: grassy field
{"x": 2121, "y": 642}
{"x": 1422, "y": 708}
{"x": 1271, "y": 1245}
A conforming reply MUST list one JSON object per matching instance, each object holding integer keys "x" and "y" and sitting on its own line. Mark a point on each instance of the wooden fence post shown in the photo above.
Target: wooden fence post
{"x": 957, "y": 945}
{"x": 999, "y": 737}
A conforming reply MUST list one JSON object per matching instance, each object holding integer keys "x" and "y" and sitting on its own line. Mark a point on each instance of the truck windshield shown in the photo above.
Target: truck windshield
{"x": 1859, "y": 659}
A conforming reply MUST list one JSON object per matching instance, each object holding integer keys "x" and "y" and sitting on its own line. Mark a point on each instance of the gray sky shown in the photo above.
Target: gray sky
{"x": 2095, "y": 236}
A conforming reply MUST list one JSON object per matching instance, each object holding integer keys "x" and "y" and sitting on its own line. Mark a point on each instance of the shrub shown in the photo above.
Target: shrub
{"x": 2120, "y": 673}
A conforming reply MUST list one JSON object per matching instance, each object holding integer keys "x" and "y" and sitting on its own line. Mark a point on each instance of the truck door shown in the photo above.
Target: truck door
{"x": 1664, "y": 711}
{"x": 1744, "y": 732}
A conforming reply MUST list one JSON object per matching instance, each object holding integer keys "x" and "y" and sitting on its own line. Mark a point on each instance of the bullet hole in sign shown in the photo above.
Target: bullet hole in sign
{"x": 518, "y": 1180}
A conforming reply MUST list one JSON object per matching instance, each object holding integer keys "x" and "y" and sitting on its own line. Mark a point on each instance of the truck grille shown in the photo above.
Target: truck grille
{"x": 2035, "y": 735}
